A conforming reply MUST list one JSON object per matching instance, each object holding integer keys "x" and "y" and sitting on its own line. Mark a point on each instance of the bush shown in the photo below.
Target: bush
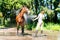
{"x": 29, "y": 27}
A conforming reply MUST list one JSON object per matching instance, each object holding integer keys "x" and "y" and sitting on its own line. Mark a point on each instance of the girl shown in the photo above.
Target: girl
{"x": 40, "y": 22}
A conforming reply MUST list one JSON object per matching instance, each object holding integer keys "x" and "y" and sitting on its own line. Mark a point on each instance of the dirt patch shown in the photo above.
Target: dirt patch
{"x": 10, "y": 34}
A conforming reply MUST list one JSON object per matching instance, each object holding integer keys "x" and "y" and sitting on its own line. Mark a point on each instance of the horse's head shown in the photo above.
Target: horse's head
{"x": 26, "y": 10}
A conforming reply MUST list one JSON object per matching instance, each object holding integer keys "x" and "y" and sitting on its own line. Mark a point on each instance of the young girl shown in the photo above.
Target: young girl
{"x": 40, "y": 22}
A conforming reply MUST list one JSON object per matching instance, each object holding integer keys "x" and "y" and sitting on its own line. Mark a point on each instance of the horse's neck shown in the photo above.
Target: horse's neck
{"x": 21, "y": 13}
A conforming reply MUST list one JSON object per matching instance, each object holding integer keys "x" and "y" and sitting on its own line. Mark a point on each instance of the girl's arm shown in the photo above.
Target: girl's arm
{"x": 36, "y": 18}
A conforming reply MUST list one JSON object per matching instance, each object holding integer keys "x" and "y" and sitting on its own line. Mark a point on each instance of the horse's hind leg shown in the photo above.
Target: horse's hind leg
{"x": 22, "y": 28}
{"x": 17, "y": 28}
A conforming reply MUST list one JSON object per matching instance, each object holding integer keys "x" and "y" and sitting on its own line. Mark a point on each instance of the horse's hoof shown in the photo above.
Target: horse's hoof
{"x": 17, "y": 34}
{"x": 20, "y": 34}
{"x": 35, "y": 36}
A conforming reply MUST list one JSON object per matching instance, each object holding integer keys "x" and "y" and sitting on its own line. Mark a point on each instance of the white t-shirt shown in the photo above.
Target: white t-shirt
{"x": 40, "y": 17}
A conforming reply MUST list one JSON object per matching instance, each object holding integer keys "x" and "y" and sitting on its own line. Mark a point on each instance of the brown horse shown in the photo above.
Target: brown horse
{"x": 20, "y": 19}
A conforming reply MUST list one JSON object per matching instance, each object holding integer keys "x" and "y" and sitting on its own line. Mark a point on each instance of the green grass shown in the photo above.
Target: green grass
{"x": 2, "y": 26}
{"x": 52, "y": 26}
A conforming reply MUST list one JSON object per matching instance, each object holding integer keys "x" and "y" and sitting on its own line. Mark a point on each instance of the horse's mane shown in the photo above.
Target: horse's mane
{"x": 20, "y": 10}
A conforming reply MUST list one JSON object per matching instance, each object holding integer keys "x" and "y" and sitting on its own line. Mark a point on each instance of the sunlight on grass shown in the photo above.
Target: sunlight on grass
{"x": 52, "y": 26}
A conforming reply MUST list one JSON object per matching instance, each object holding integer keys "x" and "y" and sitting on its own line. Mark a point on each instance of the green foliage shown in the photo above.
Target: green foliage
{"x": 57, "y": 9}
{"x": 29, "y": 27}
{"x": 0, "y": 2}
{"x": 53, "y": 1}
{"x": 7, "y": 22}
{"x": 11, "y": 4}
{"x": 1, "y": 15}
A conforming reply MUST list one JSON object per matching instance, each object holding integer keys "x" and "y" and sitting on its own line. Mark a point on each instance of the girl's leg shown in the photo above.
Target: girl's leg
{"x": 41, "y": 28}
{"x": 36, "y": 32}
{"x": 37, "y": 27}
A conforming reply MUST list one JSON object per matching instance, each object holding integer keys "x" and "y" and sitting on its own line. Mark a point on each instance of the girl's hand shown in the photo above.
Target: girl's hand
{"x": 33, "y": 20}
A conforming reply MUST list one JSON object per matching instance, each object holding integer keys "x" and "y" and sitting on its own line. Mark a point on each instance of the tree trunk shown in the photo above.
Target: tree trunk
{"x": 55, "y": 6}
